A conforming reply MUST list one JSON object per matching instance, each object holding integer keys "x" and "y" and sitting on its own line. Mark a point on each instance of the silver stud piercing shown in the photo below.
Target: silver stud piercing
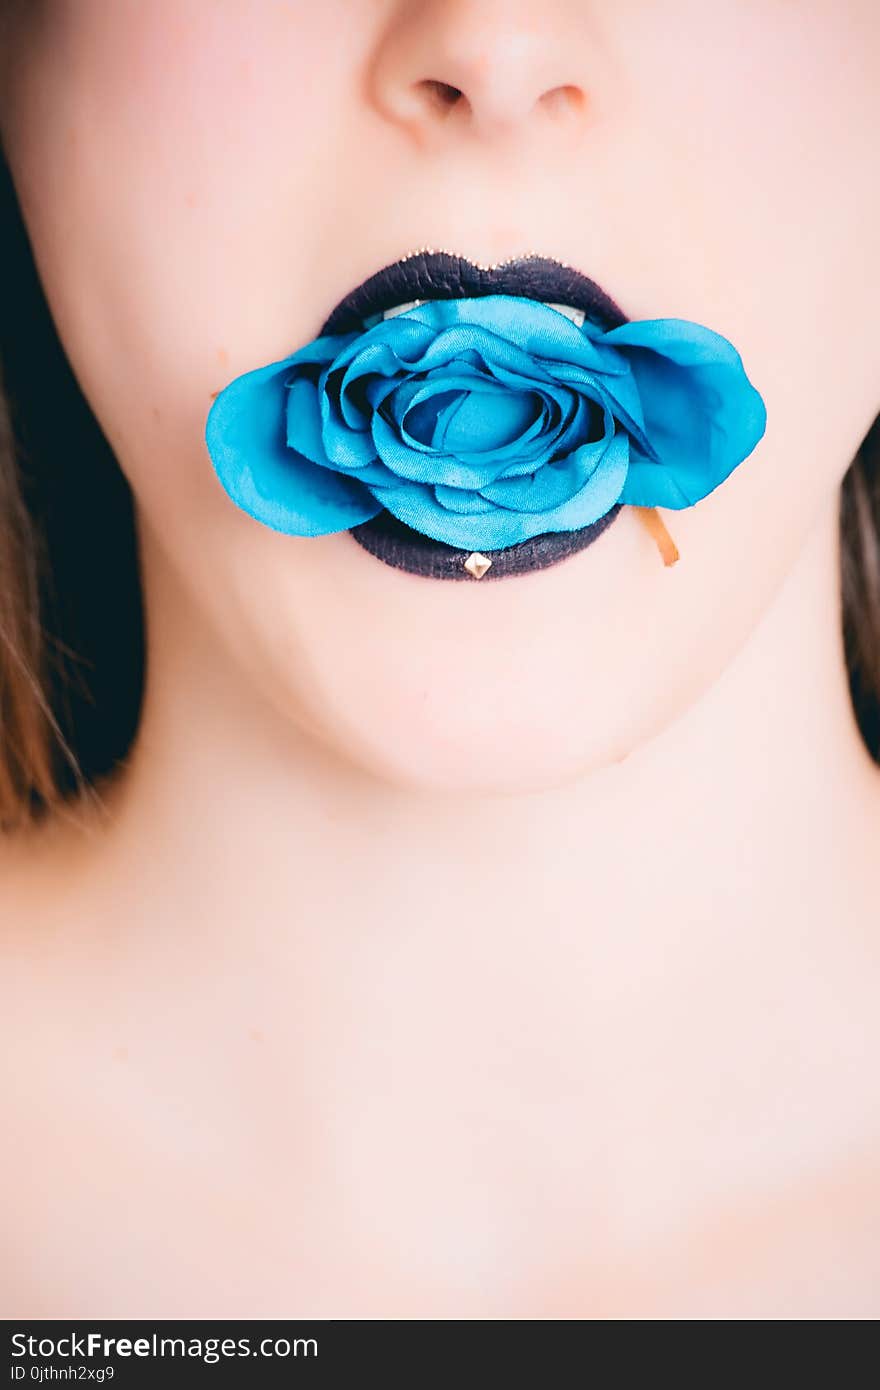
{"x": 477, "y": 564}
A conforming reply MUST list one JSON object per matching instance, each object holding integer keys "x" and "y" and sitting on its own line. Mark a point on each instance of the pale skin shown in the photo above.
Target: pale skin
{"x": 456, "y": 949}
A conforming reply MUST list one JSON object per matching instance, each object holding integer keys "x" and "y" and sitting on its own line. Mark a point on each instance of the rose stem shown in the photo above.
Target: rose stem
{"x": 653, "y": 522}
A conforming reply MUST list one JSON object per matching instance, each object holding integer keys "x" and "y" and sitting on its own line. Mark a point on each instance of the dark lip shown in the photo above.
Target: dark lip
{"x": 444, "y": 275}
{"x": 398, "y": 545}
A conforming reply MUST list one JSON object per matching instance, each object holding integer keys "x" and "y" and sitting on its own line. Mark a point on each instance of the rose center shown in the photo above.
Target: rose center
{"x": 474, "y": 421}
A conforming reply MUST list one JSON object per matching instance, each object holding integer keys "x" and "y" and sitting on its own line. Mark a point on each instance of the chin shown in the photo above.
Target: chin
{"x": 460, "y": 752}
{"x": 502, "y": 726}
{"x": 507, "y": 689}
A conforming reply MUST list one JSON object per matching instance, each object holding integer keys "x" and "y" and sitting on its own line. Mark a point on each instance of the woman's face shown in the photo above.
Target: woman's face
{"x": 203, "y": 181}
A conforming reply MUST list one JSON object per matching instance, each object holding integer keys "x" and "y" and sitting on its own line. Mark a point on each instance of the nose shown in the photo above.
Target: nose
{"x": 487, "y": 68}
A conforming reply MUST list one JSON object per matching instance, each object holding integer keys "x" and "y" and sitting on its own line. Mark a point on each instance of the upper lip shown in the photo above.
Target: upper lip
{"x": 445, "y": 275}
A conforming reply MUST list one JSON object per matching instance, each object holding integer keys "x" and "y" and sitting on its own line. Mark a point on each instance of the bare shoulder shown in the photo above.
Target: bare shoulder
{"x": 45, "y": 875}
{"x": 30, "y": 869}
{"x": 36, "y": 858}
{"x": 46, "y": 904}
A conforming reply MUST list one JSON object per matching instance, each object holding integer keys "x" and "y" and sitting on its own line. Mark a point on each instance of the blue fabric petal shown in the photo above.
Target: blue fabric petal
{"x": 702, "y": 414}
{"x": 422, "y": 466}
{"x": 461, "y": 499}
{"x": 492, "y": 530}
{"x": 246, "y": 438}
{"x": 551, "y": 485}
{"x": 304, "y": 420}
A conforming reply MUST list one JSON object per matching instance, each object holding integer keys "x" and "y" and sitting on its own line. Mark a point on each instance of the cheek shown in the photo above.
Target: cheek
{"x": 175, "y": 194}
{"x": 752, "y": 127}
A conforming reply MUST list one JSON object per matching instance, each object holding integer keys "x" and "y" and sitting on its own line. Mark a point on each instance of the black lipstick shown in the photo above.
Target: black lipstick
{"x": 442, "y": 275}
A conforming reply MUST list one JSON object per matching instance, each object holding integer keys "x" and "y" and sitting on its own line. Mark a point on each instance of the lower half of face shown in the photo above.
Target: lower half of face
{"x": 202, "y": 185}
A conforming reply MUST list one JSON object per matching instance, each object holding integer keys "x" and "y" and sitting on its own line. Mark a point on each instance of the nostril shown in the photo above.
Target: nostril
{"x": 560, "y": 102}
{"x": 440, "y": 97}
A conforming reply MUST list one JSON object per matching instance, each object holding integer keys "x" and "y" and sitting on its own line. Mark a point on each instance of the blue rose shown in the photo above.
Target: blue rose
{"x": 483, "y": 422}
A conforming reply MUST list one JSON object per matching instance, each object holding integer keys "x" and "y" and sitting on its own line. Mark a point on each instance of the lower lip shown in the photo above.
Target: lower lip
{"x": 395, "y": 544}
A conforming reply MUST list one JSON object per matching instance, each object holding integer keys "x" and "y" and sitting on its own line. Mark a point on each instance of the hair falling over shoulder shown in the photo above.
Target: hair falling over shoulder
{"x": 71, "y": 625}
{"x": 860, "y": 584}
